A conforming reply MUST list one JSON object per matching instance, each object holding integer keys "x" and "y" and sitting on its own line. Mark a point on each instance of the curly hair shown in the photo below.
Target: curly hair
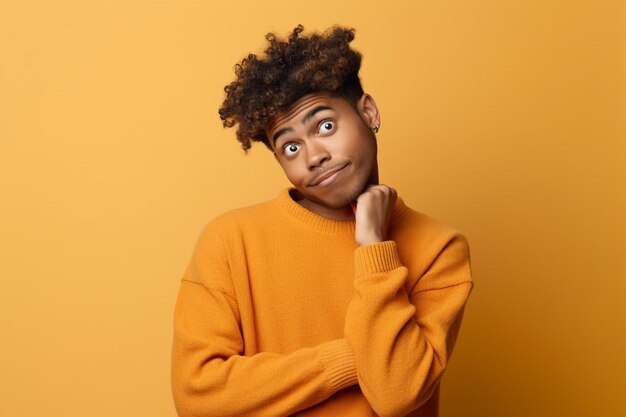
{"x": 290, "y": 69}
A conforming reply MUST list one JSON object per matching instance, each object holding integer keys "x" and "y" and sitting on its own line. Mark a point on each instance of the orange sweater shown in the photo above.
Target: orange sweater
{"x": 280, "y": 312}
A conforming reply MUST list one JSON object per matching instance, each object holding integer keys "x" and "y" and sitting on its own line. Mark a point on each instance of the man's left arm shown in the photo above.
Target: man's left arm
{"x": 402, "y": 341}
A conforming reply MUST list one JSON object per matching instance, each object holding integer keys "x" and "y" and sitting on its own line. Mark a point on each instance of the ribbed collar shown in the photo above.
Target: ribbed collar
{"x": 320, "y": 223}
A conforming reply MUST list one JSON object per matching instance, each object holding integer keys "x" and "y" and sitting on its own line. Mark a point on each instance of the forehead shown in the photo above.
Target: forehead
{"x": 299, "y": 109}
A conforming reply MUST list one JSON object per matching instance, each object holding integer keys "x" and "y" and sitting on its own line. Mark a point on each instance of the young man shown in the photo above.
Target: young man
{"x": 334, "y": 298}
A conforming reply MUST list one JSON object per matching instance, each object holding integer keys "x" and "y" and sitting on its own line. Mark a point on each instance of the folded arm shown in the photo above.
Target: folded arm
{"x": 211, "y": 373}
{"x": 402, "y": 341}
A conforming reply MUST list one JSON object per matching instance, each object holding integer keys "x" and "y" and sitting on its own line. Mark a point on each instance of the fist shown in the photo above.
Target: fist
{"x": 372, "y": 213}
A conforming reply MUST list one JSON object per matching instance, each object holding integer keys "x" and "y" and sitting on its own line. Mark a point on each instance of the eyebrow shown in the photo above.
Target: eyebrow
{"x": 306, "y": 118}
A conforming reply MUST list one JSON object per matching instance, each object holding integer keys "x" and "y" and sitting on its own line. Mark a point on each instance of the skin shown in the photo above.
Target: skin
{"x": 320, "y": 133}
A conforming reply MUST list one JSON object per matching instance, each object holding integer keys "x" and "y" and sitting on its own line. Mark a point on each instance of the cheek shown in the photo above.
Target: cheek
{"x": 293, "y": 173}
{"x": 360, "y": 149}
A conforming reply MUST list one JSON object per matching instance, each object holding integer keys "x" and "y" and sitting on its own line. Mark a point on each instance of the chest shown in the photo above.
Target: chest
{"x": 293, "y": 293}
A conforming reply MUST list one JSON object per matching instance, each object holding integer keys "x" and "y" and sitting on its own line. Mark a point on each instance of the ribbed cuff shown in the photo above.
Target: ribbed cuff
{"x": 338, "y": 361}
{"x": 377, "y": 257}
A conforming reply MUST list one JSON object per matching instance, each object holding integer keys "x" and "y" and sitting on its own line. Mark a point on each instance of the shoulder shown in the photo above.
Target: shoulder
{"x": 421, "y": 227}
{"x": 233, "y": 226}
{"x": 428, "y": 246}
{"x": 219, "y": 242}
{"x": 241, "y": 217}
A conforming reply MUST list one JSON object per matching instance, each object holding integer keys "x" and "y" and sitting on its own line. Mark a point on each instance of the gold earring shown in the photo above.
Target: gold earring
{"x": 375, "y": 128}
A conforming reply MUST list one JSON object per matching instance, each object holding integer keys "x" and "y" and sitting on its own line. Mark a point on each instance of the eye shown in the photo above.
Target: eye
{"x": 326, "y": 126}
{"x": 291, "y": 149}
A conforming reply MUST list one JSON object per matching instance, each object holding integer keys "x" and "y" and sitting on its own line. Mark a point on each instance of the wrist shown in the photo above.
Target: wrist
{"x": 370, "y": 240}
{"x": 373, "y": 259}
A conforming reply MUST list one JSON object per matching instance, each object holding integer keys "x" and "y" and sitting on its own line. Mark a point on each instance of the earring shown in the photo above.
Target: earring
{"x": 375, "y": 128}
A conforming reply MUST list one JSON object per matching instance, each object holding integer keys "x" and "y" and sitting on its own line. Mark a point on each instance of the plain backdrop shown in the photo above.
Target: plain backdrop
{"x": 503, "y": 119}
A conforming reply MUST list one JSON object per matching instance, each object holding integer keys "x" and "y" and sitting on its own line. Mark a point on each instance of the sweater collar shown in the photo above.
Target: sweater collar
{"x": 320, "y": 223}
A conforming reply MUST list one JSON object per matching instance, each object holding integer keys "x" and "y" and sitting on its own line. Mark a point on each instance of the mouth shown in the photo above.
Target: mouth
{"x": 328, "y": 177}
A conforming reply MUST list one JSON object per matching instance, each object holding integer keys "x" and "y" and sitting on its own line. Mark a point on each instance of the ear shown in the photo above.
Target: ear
{"x": 368, "y": 110}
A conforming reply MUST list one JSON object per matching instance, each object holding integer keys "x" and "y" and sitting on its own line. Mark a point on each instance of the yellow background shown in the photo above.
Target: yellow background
{"x": 504, "y": 119}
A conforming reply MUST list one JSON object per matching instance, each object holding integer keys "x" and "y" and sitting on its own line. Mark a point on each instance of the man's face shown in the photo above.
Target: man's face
{"x": 327, "y": 150}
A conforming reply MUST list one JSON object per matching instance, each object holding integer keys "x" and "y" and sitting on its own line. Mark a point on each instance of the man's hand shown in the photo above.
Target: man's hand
{"x": 372, "y": 214}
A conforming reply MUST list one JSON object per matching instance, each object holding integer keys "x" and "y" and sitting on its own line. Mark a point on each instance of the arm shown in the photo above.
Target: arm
{"x": 401, "y": 341}
{"x": 211, "y": 376}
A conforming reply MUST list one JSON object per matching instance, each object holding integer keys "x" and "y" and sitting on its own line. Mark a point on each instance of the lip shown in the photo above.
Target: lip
{"x": 327, "y": 177}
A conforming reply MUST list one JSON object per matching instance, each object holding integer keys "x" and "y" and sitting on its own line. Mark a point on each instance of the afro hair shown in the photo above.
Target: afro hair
{"x": 290, "y": 69}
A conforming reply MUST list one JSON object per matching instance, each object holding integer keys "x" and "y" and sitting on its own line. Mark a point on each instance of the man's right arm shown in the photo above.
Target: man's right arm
{"x": 210, "y": 374}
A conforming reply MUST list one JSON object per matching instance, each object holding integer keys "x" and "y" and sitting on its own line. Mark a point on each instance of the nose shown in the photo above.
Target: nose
{"x": 317, "y": 154}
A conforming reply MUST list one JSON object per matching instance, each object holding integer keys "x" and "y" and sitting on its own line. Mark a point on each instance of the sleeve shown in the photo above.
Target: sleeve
{"x": 401, "y": 341}
{"x": 211, "y": 376}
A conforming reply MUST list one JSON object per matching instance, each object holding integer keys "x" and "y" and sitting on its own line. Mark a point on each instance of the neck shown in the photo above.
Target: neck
{"x": 340, "y": 214}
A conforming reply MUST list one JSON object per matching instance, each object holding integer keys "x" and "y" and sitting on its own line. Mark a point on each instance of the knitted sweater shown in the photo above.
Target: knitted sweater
{"x": 280, "y": 312}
